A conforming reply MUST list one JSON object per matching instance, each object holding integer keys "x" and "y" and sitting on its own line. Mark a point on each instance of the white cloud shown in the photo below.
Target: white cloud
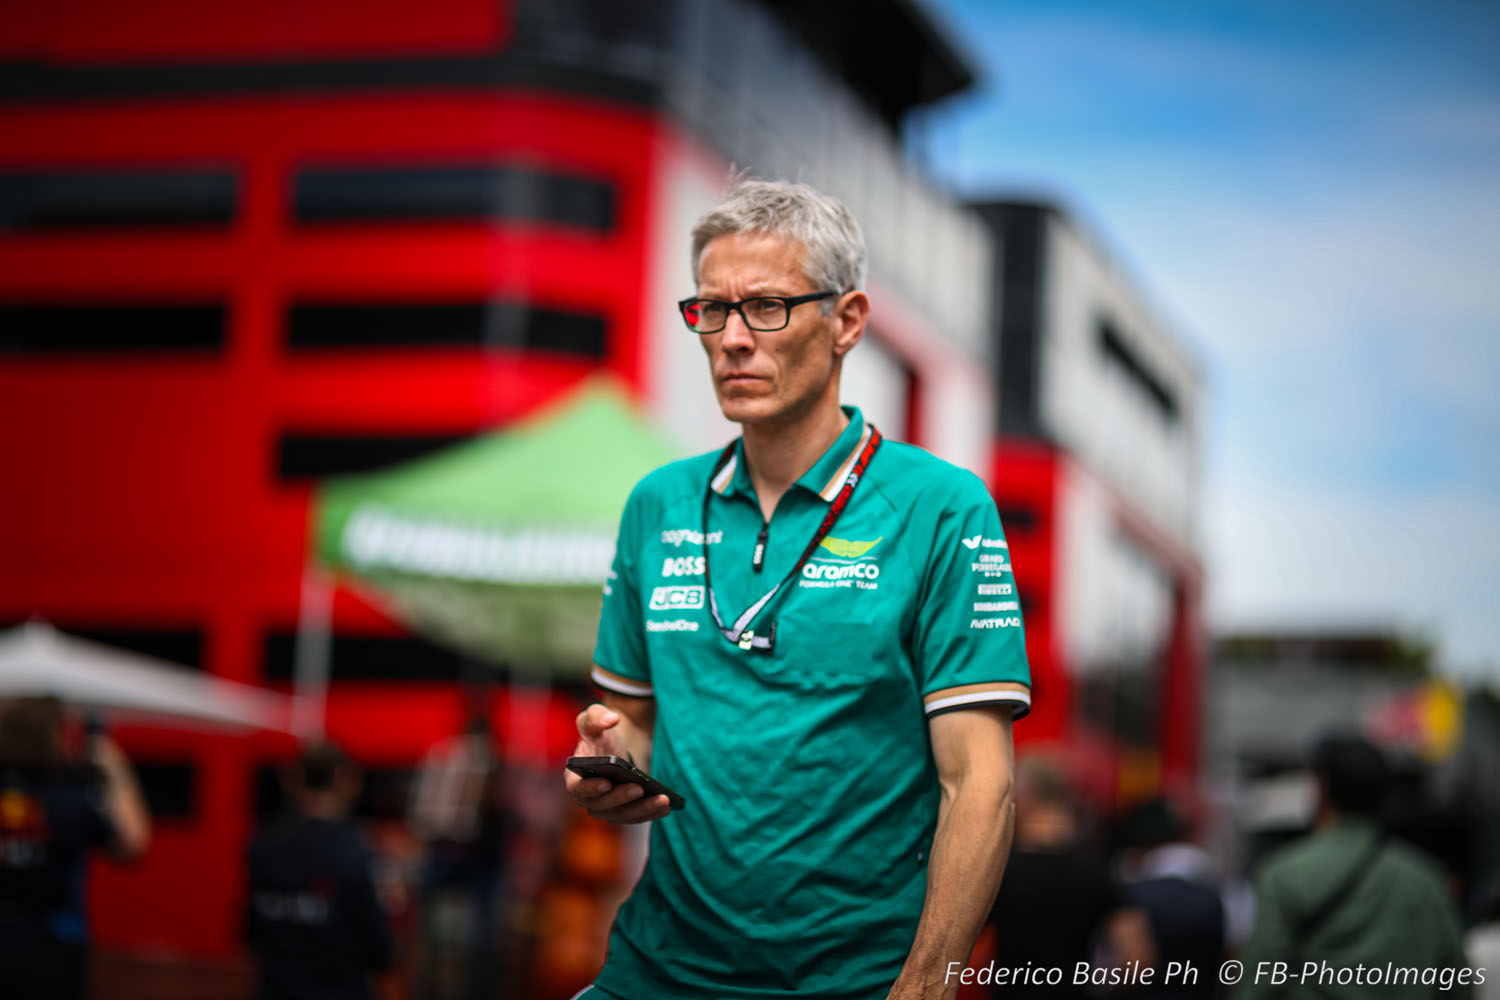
{"x": 1366, "y": 248}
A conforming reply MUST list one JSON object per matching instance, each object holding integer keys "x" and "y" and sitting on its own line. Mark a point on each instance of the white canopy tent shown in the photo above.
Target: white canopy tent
{"x": 38, "y": 660}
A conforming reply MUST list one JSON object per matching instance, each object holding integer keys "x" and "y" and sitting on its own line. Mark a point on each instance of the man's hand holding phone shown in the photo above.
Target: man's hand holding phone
{"x": 622, "y": 802}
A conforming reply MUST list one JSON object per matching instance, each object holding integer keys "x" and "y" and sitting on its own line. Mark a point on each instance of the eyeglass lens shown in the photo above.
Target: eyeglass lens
{"x": 708, "y": 316}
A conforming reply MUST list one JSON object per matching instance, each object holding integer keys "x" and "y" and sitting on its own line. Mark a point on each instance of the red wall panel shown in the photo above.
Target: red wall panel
{"x": 142, "y": 489}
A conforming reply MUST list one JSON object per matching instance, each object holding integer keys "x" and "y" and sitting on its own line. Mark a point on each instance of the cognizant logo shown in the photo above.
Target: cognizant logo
{"x": 687, "y": 536}
{"x": 837, "y": 571}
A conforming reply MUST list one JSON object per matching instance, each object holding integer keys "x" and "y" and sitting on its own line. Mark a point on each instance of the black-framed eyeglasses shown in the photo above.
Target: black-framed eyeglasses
{"x": 763, "y": 313}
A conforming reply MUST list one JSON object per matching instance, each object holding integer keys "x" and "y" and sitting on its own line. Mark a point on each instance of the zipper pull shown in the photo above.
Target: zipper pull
{"x": 760, "y": 548}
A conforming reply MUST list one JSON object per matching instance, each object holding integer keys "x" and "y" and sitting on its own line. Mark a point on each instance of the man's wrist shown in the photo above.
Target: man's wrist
{"x": 921, "y": 988}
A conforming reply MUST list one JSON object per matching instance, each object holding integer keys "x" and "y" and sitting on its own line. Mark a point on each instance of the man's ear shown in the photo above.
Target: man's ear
{"x": 852, "y": 313}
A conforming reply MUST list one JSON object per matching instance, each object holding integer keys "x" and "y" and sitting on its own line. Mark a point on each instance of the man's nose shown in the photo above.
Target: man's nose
{"x": 737, "y": 335}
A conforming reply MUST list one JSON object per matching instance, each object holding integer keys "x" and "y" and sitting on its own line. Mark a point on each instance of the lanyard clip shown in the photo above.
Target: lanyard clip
{"x": 764, "y": 643}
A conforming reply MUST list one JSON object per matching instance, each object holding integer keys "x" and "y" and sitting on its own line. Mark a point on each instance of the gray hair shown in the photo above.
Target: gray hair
{"x": 834, "y": 246}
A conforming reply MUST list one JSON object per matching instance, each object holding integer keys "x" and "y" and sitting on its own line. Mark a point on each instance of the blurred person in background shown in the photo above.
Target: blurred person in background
{"x": 459, "y": 811}
{"x": 1059, "y": 905}
{"x": 315, "y": 922}
{"x": 54, "y": 809}
{"x": 844, "y": 752}
{"x": 1172, "y": 881}
{"x": 1347, "y": 895}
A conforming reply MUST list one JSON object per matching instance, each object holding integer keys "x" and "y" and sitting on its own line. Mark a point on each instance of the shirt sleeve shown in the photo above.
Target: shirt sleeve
{"x": 969, "y": 641}
{"x": 620, "y": 661}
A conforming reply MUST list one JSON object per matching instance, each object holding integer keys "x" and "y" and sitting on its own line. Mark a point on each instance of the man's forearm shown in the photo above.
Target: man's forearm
{"x": 968, "y": 858}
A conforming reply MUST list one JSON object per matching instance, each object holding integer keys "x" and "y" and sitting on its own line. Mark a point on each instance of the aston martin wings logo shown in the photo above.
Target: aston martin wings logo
{"x": 845, "y": 549}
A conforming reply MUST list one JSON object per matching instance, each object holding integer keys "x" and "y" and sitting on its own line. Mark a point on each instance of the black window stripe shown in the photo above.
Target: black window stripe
{"x": 369, "y": 657}
{"x": 344, "y": 194}
{"x": 321, "y": 326}
{"x": 45, "y": 328}
{"x": 314, "y": 456}
{"x": 170, "y": 788}
{"x": 1117, "y": 351}
{"x": 65, "y": 199}
{"x": 1017, "y": 518}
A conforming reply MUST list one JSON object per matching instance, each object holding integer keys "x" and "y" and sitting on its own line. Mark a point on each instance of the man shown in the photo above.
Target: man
{"x": 54, "y": 810}
{"x": 314, "y": 918}
{"x": 1059, "y": 900}
{"x": 1346, "y": 897}
{"x": 459, "y": 811}
{"x": 814, "y": 638}
{"x": 1171, "y": 880}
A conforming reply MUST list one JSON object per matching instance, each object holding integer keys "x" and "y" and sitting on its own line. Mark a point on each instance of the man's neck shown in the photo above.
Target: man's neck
{"x": 776, "y": 455}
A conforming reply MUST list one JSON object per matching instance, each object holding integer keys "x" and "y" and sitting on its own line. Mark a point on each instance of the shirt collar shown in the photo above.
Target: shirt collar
{"x": 823, "y": 479}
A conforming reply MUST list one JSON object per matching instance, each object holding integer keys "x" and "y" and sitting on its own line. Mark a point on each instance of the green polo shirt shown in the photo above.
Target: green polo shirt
{"x": 798, "y": 866}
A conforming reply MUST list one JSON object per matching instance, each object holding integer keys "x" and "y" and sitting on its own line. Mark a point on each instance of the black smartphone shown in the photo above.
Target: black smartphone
{"x": 622, "y": 772}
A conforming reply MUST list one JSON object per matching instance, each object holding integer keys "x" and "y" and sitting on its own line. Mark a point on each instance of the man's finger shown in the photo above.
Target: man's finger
{"x": 623, "y": 794}
{"x": 654, "y": 807}
{"x": 585, "y": 789}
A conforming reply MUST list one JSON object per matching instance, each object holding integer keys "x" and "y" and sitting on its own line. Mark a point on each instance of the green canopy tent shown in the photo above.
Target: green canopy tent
{"x": 499, "y": 546}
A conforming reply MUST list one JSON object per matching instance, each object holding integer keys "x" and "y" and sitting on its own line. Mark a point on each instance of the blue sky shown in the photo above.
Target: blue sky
{"x": 1310, "y": 191}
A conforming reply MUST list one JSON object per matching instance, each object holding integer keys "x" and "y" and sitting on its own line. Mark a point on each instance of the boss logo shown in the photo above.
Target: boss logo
{"x": 676, "y": 598}
{"x": 682, "y": 566}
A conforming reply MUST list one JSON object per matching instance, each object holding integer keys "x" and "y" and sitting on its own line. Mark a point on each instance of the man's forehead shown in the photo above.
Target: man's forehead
{"x": 751, "y": 257}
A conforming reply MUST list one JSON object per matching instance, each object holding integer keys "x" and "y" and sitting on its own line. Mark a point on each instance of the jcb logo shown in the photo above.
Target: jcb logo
{"x": 683, "y": 566}
{"x": 676, "y": 598}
